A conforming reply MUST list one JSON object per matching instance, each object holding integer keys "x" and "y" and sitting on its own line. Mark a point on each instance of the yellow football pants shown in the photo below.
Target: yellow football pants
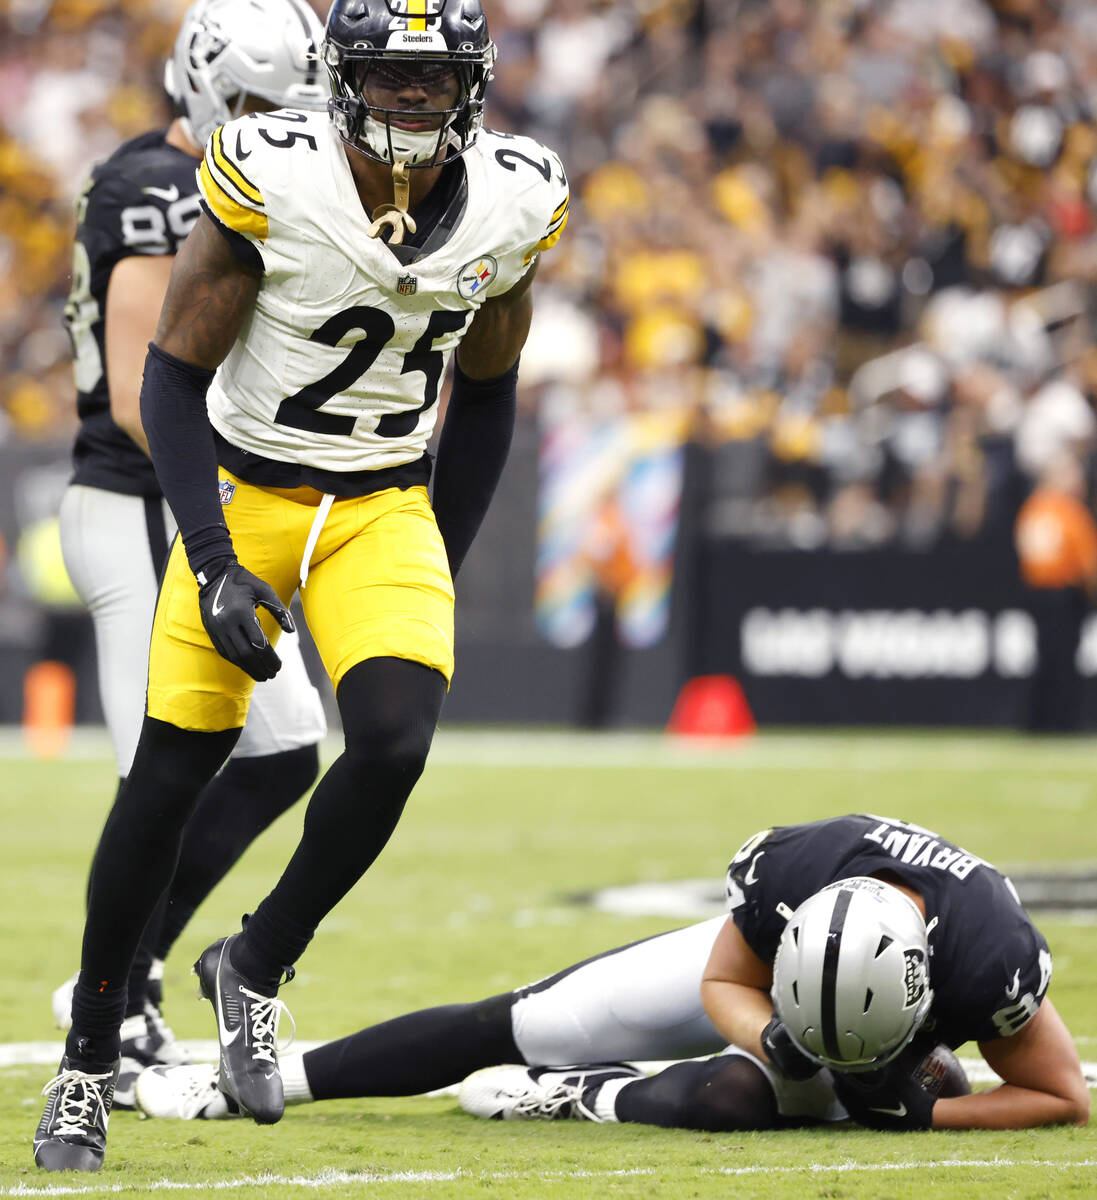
{"x": 378, "y": 586}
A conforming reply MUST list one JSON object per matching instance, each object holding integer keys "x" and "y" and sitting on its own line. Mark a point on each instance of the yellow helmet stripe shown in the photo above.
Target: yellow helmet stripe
{"x": 417, "y": 11}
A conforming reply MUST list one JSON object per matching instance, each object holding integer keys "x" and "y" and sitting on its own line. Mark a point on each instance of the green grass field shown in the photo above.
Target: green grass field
{"x": 475, "y": 894}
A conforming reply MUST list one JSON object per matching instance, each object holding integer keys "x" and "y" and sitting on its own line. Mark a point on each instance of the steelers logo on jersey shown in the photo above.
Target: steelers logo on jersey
{"x": 473, "y": 277}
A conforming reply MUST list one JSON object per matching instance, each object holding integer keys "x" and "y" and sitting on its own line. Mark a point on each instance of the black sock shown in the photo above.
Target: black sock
{"x": 389, "y": 708}
{"x": 97, "y": 1013}
{"x": 136, "y": 858}
{"x": 237, "y": 805}
{"x": 415, "y": 1053}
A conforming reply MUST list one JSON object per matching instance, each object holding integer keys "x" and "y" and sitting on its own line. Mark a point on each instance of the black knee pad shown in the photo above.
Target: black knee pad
{"x": 718, "y": 1095}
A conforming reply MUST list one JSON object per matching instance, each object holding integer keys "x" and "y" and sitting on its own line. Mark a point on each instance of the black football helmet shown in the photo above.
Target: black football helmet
{"x": 419, "y": 40}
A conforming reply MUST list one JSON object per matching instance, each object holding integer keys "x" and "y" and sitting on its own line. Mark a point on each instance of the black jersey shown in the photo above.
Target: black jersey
{"x": 989, "y": 966}
{"x": 141, "y": 200}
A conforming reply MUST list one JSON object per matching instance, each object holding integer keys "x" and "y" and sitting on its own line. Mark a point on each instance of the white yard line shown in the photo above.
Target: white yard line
{"x": 772, "y": 750}
{"x": 331, "y": 1178}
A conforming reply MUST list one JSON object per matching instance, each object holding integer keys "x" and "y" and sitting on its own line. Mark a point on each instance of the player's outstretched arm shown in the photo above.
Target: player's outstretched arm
{"x": 209, "y": 297}
{"x": 1042, "y": 1083}
{"x": 735, "y": 990}
{"x": 475, "y": 437}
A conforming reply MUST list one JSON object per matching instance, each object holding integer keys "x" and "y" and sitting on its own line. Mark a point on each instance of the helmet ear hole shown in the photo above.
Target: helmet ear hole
{"x": 868, "y": 999}
{"x": 885, "y": 941}
{"x": 795, "y": 992}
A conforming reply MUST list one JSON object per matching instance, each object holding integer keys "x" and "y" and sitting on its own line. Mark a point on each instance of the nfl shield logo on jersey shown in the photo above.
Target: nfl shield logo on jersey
{"x": 226, "y": 489}
{"x": 406, "y": 285}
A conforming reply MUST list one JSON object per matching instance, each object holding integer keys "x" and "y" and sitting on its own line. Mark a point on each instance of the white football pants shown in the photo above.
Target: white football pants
{"x": 113, "y": 547}
{"x": 643, "y": 1002}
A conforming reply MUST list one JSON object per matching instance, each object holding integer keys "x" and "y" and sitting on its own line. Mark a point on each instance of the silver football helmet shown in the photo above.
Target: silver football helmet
{"x": 227, "y": 50}
{"x": 851, "y": 976}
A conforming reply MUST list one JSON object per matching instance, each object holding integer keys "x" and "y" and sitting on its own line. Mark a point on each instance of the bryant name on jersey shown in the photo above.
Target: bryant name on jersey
{"x": 989, "y": 965}
{"x": 350, "y": 337}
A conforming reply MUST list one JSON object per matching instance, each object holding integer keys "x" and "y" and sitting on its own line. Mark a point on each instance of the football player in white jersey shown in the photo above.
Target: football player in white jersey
{"x": 338, "y": 264}
{"x": 230, "y": 56}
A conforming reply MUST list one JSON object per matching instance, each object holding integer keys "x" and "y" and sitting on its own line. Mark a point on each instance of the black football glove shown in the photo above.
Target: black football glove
{"x": 901, "y": 1095}
{"x": 783, "y": 1052}
{"x": 227, "y": 598}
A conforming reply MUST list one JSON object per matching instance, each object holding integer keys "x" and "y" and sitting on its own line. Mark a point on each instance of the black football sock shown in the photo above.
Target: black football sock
{"x": 720, "y": 1094}
{"x": 236, "y": 806}
{"x": 97, "y": 1013}
{"x": 415, "y": 1053}
{"x": 136, "y": 857}
{"x": 389, "y": 708}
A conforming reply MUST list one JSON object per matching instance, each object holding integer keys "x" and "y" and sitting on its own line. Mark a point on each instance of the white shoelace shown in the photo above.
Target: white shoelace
{"x": 549, "y": 1104}
{"x": 80, "y": 1101}
{"x": 264, "y": 1013}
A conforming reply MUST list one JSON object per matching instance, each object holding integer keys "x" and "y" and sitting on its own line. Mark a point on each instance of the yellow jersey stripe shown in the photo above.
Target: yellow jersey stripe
{"x": 558, "y": 224}
{"x": 232, "y": 171}
{"x": 553, "y": 236}
{"x": 417, "y": 11}
{"x": 559, "y": 212}
{"x": 230, "y": 211}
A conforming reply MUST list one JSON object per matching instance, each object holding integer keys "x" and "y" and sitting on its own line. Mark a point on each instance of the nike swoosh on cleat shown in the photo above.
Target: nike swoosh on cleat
{"x": 168, "y": 194}
{"x": 227, "y": 1036}
{"x": 901, "y": 1111}
{"x": 218, "y": 609}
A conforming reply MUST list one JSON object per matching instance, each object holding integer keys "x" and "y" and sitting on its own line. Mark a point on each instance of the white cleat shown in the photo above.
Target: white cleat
{"x": 515, "y": 1093}
{"x": 184, "y": 1093}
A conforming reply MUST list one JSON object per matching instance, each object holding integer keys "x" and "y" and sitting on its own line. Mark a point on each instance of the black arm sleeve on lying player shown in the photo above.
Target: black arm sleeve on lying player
{"x": 472, "y": 449}
{"x": 173, "y": 412}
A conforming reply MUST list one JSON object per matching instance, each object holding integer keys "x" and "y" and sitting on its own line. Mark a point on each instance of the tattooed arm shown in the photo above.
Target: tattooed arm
{"x": 209, "y": 297}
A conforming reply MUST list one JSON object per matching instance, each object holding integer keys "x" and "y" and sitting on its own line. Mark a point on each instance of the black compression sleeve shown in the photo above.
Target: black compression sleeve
{"x": 173, "y": 412}
{"x": 472, "y": 449}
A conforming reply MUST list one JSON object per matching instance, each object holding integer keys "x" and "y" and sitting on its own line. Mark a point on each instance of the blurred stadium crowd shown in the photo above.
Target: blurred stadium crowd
{"x": 848, "y": 245}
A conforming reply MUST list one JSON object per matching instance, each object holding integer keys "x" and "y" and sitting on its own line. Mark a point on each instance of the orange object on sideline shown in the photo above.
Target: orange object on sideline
{"x": 712, "y": 706}
{"x": 49, "y": 705}
{"x": 1056, "y": 540}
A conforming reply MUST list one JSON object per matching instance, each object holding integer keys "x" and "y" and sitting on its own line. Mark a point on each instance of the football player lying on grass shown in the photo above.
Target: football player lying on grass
{"x": 858, "y": 952}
